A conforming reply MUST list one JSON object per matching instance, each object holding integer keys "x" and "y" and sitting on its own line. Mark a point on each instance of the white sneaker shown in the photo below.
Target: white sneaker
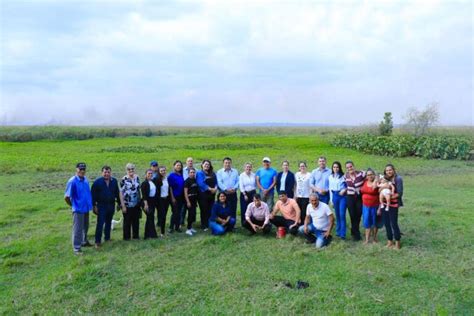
{"x": 193, "y": 230}
{"x": 189, "y": 232}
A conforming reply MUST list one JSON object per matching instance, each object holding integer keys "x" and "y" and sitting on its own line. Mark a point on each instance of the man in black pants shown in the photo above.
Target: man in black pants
{"x": 290, "y": 212}
{"x": 257, "y": 216}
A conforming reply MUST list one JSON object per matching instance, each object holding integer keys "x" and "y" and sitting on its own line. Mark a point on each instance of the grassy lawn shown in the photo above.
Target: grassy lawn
{"x": 234, "y": 274}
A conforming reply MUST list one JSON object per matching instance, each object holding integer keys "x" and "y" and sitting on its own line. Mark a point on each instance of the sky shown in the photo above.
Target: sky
{"x": 233, "y": 62}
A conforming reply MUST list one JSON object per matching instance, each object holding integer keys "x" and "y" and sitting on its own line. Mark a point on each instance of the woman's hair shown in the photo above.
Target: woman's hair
{"x": 178, "y": 162}
{"x": 302, "y": 162}
{"x": 391, "y": 166}
{"x": 371, "y": 170}
{"x": 285, "y": 161}
{"x": 340, "y": 173}
{"x": 248, "y": 164}
{"x": 223, "y": 193}
{"x": 160, "y": 177}
{"x": 148, "y": 170}
{"x": 129, "y": 166}
{"x": 211, "y": 169}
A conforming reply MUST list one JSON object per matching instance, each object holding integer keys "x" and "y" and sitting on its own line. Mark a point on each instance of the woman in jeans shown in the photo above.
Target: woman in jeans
{"x": 337, "y": 190}
{"x": 370, "y": 204}
{"x": 130, "y": 188}
{"x": 391, "y": 216}
{"x": 207, "y": 182}
{"x": 247, "y": 186}
{"x": 176, "y": 182}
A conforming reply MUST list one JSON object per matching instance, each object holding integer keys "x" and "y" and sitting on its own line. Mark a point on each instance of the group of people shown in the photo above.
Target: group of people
{"x": 303, "y": 204}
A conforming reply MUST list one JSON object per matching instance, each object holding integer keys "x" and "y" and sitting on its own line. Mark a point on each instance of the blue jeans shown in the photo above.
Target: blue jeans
{"x": 104, "y": 222}
{"x": 339, "y": 203}
{"x": 369, "y": 216}
{"x": 324, "y": 198}
{"x": 218, "y": 229}
{"x": 321, "y": 241}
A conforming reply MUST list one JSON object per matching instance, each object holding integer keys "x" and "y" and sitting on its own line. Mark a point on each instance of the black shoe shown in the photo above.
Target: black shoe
{"x": 179, "y": 230}
{"x": 170, "y": 231}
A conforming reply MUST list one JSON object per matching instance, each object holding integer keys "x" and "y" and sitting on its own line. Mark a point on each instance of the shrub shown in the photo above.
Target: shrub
{"x": 429, "y": 147}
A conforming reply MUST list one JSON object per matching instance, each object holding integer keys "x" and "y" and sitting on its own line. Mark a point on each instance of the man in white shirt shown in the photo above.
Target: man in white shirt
{"x": 322, "y": 222}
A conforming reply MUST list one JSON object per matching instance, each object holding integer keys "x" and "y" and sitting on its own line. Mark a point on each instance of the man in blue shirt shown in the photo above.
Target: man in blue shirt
{"x": 320, "y": 180}
{"x": 266, "y": 180}
{"x": 105, "y": 193}
{"x": 228, "y": 182}
{"x": 78, "y": 197}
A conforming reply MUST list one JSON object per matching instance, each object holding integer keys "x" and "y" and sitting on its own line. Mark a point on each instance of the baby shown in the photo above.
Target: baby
{"x": 386, "y": 189}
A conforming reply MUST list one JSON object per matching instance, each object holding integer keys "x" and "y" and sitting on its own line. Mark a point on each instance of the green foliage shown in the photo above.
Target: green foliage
{"x": 386, "y": 126}
{"x": 429, "y": 147}
{"x": 234, "y": 274}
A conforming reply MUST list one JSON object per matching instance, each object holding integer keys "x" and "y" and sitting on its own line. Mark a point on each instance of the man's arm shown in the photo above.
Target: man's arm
{"x": 331, "y": 224}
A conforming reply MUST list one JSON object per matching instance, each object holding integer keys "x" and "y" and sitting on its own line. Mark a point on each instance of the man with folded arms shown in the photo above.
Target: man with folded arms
{"x": 257, "y": 216}
{"x": 290, "y": 213}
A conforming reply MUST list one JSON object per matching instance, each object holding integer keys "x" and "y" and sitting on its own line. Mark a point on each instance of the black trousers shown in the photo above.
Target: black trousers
{"x": 206, "y": 201}
{"x": 131, "y": 221}
{"x": 176, "y": 212}
{"x": 280, "y": 221}
{"x": 150, "y": 230}
{"x": 163, "y": 205}
{"x": 391, "y": 223}
{"x": 192, "y": 211}
{"x": 302, "y": 203}
{"x": 354, "y": 204}
{"x": 244, "y": 204}
{"x": 266, "y": 229}
{"x": 232, "y": 201}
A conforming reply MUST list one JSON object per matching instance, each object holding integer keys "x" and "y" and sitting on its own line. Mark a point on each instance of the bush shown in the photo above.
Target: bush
{"x": 429, "y": 147}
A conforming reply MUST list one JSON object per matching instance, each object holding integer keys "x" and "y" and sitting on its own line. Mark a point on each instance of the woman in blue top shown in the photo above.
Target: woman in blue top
{"x": 207, "y": 182}
{"x": 337, "y": 189}
{"x": 176, "y": 182}
{"x": 221, "y": 220}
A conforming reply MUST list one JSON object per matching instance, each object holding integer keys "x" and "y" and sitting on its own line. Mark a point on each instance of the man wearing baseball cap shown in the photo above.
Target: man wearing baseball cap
{"x": 266, "y": 180}
{"x": 154, "y": 167}
{"x": 78, "y": 196}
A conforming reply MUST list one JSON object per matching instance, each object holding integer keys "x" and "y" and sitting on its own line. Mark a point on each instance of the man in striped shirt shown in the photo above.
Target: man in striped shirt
{"x": 354, "y": 180}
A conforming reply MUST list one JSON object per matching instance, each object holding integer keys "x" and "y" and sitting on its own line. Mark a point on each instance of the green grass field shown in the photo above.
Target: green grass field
{"x": 432, "y": 274}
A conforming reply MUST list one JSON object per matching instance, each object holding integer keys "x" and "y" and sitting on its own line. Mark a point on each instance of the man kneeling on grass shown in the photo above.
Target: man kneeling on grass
{"x": 290, "y": 211}
{"x": 257, "y": 216}
{"x": 322, "y": 222}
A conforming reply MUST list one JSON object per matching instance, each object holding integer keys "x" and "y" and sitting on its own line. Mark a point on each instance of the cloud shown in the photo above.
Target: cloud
{"x": 246, "y": 57}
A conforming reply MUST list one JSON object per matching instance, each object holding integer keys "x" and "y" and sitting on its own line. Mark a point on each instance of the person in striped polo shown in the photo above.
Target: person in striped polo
{"x": 354, "y": 180}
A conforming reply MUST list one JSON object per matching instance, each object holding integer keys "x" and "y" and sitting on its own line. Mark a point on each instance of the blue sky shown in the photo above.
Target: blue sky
{"x": 230, "y": 62}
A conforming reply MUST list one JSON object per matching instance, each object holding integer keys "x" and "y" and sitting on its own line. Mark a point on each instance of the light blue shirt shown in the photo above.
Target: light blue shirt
{"x": 79, "y": 193}
{"x": 266, "y": 177}
{"x": 320, "y": 178}
{"x": 227, "y": 179}
{"x": 337, "y": 183}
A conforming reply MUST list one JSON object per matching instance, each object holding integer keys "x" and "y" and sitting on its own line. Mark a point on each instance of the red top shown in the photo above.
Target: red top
{"x": 370, "y": 196}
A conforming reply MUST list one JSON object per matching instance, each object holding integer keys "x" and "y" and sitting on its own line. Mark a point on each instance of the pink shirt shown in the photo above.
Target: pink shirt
{"x": 259, "y": 213}
{"x": 289, "y": 210}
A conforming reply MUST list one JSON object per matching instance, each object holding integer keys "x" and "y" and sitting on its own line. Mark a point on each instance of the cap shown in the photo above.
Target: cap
{"x": 154, "y": 163}
{"x": 81, "y": 165}
{"x": 266, "y": 159}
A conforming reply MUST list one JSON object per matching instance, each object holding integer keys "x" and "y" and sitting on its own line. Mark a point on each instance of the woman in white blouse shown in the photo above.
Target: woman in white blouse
{"x": 247, "y": 186}
{"x": 150, "y": 198}
{"x": 303, "y": 188}
{"x": 164, "y": 200}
